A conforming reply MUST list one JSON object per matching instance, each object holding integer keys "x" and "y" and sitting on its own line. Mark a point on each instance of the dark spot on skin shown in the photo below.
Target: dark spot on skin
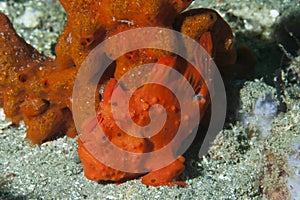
{"x": 86, "y": 42}
{"x": 23, "y": 78}
{"x": 45, "y": 83}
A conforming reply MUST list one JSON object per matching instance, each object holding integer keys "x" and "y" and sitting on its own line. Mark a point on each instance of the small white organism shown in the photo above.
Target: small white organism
{"x": 262, "y": 115}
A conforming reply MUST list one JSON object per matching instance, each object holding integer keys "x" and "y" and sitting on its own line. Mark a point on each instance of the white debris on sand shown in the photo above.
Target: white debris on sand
{"x": 30, "y": 18}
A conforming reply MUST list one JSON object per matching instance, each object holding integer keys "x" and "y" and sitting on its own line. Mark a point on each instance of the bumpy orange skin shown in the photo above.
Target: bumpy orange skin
{"x": 168, "y": 174}
{"x": 22, "y": 73}
{"x": 38, "y": 89}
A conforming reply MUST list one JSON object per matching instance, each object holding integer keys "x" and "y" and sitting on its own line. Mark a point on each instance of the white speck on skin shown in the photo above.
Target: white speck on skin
{"x": 69, "y": 38}
{"x": 130, "y": 23}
